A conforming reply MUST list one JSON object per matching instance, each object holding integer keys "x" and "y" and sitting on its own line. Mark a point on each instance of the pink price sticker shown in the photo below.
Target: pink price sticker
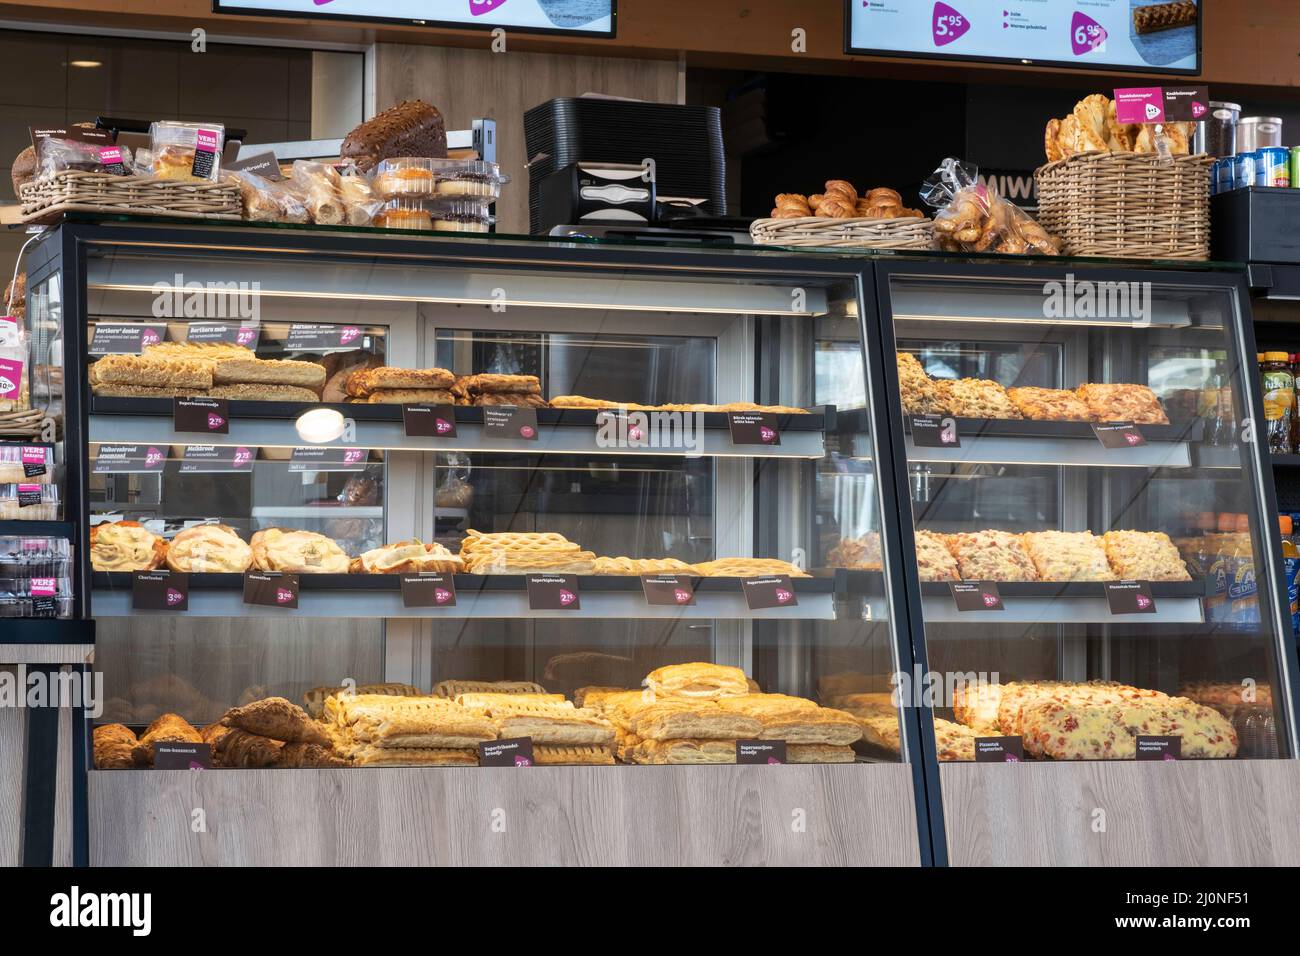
{"x": 948, "y": 24}
{"x": 110, "y": 155}
{"x": 44, "y": 587}
{"x": 1086, "y": 35}
{"x": 205, "y": 141}
{"x": 1142, "y": 104}
{"x": 33, "y": 456}
{"x": 11, "y": 377}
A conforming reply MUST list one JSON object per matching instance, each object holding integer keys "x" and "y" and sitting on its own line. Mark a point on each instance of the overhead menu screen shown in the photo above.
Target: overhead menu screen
{"x": 580, "y": 17}
{"x": 1138, "y": 35}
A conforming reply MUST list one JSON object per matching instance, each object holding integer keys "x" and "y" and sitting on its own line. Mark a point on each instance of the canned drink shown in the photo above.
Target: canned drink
{"x": 1243, "y": 170}
{"x": 1295, "y": 167}
{"x": 1273, "y": 166}
{"x": 1227, "y": 180}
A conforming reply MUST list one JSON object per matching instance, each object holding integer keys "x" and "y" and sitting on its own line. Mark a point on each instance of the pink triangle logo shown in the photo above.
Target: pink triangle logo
{"x": 949, "y": 24}
{"x": 1086, "y": 34}
{"x": 479, "y": 7}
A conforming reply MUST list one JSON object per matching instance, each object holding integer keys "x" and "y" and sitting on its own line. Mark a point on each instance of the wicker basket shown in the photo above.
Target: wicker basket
{"x": 26, "y": 423}
{"x": 1128, "y": 205}
{"x": 45, "y": 199}
{"x": 822, "y": 231}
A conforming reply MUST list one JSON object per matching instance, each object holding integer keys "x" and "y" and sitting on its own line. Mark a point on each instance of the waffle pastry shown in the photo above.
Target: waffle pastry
{"x": 452, "y": 689}
{"x": 551, "y": 725}
{"x": 819, "y": 753}
{"x": 976, "y": 706}
{"x": 154, "y": 372}
{"x": 523, "y": 561}
{"x": 673, "y": 719}
{"x": 547, "y": 755}
{"x": 697, "y": 681}
{"x": 934, "y": 561}
{"x": 113, "y": 747}
{"x": 991, "y": 556}
{"x": 920, "y": 393}
{"x": 1123, "y": 403}
{"x": 976, "y": 398}
{"x": 636, "y": 566}
{"x": 209, "y": 548}
{"x": 794, "y": 719}
{"x": 486, "y": 700}
{"x": 1144, "y": 556}
{"x": 1068, "y": 556}
{"x": 413, "y": 757}
{"x": 125, "y": 546}
{"x": 300, "y": 552}
{"x": 862, "y": 553}
{"x": 684, "y": 752}
{"x": 407, "y": 557}
{"x": 279, "y": 719}
{"x": 1049, "y": 404}
{"x": 748, "y": 568}
{"x": 314, "y": 700}
{"x": 409, "y": 722}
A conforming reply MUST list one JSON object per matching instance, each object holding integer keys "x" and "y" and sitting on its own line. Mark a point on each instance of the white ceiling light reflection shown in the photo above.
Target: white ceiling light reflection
{"x": 320, "y": 425}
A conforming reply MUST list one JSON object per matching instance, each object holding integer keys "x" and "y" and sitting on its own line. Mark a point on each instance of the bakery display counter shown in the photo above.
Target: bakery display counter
{"x": 496, "y": 596}
{"x": 559, "y": 430}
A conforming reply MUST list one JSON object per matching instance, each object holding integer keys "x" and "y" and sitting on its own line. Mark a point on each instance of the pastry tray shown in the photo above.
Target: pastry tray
{"x": 377, "y": 596}
{"x": 561, "y": 430}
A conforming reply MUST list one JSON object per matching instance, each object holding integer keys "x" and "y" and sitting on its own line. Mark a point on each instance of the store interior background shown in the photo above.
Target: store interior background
{"x": 790, "y": 121}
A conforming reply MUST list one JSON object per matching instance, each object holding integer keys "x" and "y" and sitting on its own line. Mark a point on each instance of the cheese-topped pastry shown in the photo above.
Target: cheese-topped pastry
{"x": 1144, "y": 556}
{"x": 299, "y": 552}
{"x": 991, "y": 556}
{"x": 1123, "y": 403}
{"x": 1068, "y": 556}
{"x": 934, "y": 561}
{"x": 125, "y": 546}
{"x": 209, "y": 549}
{"x": 698, "y": 681}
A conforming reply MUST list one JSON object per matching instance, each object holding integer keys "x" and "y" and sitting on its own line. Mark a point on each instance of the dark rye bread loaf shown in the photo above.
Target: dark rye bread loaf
{"x": 411, "y": 128}
{"x": 24, "y": 169}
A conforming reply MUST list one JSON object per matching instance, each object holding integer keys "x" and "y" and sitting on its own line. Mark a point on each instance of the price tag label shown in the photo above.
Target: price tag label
{"x": 769, "y": 752}
{"x": 204, "y": 459}
{"x": 129, "y": 459}
{"x": 772, "y": 590}
{"x": 511, "y": 752}
{"x": 506, "y": 421}
{"x": 325, "y": 338}
{"x": 160, "y": 591}
{"x": 1159, "y": 748}
{"x": 619, "y": 428}
{"x": 1130, "y": 597}
{"x": 224, "y": 333}
{"x": 328, "y": 458}
{"x": 176, "y": 755}
{"x": 668, "y": 590}
{"x": 553, "y": 592}
{"x": 429, "y": 421}
{"x": 211, "y": 415}
{"x": 271, "y": 589}
{"x": 428, "y": 590}
{"x": 935, "y": 431}
{"x": 29, "y": 495}
{"x": 1118, "y": 434}
{"x": 33, "y": 460}
{"x": 754, "y": 428}
{"x": 112, "y": 338}
{"x": 976, "y": 595}
{"x": 999, "y": 749}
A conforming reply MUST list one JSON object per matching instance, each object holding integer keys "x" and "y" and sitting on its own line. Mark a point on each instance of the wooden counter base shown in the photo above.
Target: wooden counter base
{"x": 1179, "y": 813}
{"x": 578, "y": 816}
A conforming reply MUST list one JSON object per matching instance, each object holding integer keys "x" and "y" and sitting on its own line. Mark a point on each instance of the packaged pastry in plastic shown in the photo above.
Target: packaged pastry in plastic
{"x": 971, "y": 218}
{"x": 78, "y": 148}
{"x": 29, "y": 502}
{"x": 187, "y": 151}
{"x": 35, "y": 557}
{"x": 460, "y": 215}
{"x": 404, "y": 214}
{"x": 26, "y": 464}
{"x": 266, "y": 201}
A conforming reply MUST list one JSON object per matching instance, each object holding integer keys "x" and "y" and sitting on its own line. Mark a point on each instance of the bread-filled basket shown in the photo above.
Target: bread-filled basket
{"x": 840, "y": 217}
{"x": 73, "y": 190}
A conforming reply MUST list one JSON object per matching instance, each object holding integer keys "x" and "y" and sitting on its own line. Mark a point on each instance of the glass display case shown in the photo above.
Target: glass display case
{"x": 601, "y": 510}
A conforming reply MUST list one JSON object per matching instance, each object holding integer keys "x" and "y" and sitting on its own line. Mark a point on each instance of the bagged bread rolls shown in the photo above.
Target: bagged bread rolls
{"x": 317, "y": 184}
{"x": 973, "y": 218}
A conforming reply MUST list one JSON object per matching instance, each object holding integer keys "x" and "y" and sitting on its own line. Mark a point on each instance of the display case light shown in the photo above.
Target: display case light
{"x": 320, "y": 425}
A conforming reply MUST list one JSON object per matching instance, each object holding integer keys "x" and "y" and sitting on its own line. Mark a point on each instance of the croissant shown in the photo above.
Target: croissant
{"x": 794, "y": 200}
{"x": 837, "y": 208}
{"x": 1091, "y": 114}
{"x": 843, "y": 187}
{"x": 1052, "y": 141}
{"x": 884, "y": 197}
